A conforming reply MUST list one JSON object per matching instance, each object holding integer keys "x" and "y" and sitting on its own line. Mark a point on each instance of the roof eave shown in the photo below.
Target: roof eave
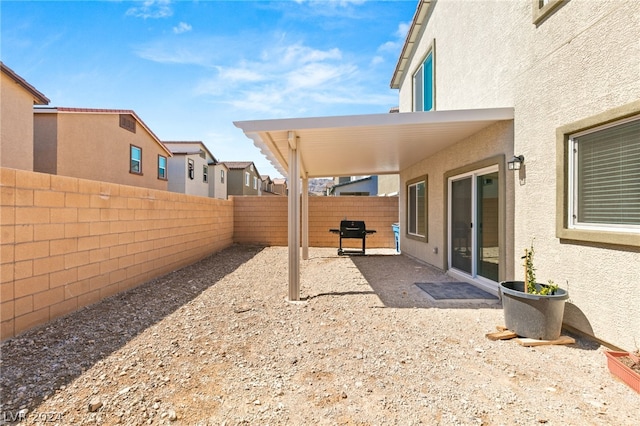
{"x": 409, "y": 42}
{"x": 38, "y": 97}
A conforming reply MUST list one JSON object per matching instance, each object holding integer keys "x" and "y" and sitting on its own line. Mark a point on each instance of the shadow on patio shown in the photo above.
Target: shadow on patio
{"x": 89, "y": 335}
{"x": 394, "y": 277}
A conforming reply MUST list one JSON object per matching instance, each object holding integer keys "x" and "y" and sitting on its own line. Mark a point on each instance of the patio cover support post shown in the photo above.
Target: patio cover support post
{"x": 305, "y": 218}
{"x": 294, "y": 218}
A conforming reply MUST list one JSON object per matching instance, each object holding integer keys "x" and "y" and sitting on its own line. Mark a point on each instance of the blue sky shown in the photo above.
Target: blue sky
{"x": 191, "y": 68}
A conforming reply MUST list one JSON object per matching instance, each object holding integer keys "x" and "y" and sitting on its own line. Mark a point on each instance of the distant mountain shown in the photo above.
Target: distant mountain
{"x": 319, "y": 186}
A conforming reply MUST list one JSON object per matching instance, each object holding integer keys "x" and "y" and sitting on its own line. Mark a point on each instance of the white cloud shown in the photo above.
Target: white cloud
{"x": 182, "y": 27}
{"x": 394, "y": 46}
{"x": 377, "y": 60}
{"x": 264, "y": 75}
{"x": 151, "y": 9}
{"x": 175, "y": 55}
{"x": 403, "y": 29}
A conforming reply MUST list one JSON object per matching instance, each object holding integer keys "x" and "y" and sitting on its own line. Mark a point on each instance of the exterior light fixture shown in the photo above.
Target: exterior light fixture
{"x": 516, "y": 162}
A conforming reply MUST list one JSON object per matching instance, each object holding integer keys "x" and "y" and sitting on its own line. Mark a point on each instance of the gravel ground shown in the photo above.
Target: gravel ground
{"x": 217, "y": 343}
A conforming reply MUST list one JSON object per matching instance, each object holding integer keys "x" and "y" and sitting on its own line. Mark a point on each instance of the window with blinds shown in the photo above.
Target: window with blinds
{"x": 605, "y": 170}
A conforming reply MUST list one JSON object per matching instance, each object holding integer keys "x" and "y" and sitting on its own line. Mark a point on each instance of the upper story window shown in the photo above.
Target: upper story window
{"x": 205, "y": 173}
{"x": 247, "y": 178}
{"x": 604, "y": 177}
{"x": 162, "y": 167}
{"x": 255, "y": 182}
{"x": 423, "y": 85}
{"x": 135, "y": 165}
{"x": 221, "y": 176}
{"x": 544, "y": 8}
{"x": 417, "y": 208}
{"x": 191, "y": 169}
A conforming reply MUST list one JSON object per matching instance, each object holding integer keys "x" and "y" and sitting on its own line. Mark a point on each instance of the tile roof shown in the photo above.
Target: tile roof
{"x": 38, "y": 97}
{"x": 233, "y": 165}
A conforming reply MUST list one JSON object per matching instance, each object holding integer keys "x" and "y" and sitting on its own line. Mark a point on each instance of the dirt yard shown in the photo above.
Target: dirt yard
{"x": 218, "y": 343}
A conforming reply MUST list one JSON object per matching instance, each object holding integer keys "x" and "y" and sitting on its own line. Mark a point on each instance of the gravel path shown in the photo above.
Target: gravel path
{"x": 217, "y": 343}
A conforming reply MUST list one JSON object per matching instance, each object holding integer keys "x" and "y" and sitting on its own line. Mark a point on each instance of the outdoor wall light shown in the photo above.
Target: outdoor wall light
{"x": 516, "y": 162}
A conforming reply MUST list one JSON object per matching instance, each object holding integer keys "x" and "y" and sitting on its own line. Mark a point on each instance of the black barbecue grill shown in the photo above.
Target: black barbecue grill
{"x": 352, "y": 229}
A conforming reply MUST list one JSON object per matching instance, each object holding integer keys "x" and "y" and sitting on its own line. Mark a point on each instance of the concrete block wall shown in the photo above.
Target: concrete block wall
{"x": 66, "y": 243}
{"x": 263, "y": 220}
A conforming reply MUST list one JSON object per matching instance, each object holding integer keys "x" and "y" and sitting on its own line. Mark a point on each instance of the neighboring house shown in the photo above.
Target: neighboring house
{"x": 99, "y": 144}
{"x": 383, "y": 185}
{"x": 355, "y": 185}
{"x": 17, "y": 98}
{"x": 267, "y": 185}
{"x": 192, "y": 170}
{"x": 280, "y": 186}
{"x": 518, "y": 124}
{"x": 243, "y": 178}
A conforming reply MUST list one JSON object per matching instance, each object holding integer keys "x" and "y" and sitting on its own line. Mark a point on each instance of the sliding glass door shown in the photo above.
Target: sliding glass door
{"x": 473, "y": 224}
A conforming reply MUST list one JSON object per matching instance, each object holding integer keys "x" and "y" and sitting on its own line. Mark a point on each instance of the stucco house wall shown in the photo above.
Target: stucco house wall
{"x": 218, "y": 182}
{"x": 582, "y": 60}
{"x": 236, "y": 182}
{"x": 91, "y": 144}
{"x": 389, "y": 185}
{"x": 179, "y": 179}
{"x": 17, "y": 98}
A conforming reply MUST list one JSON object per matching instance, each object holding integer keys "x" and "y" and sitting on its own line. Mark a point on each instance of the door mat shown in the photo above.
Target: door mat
{"x": 455, "y": 291}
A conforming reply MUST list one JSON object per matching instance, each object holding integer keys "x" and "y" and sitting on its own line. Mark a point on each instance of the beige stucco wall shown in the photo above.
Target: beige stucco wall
{"x": 484, "y": 149}
{"x": 45, "y": 144}
{"x": 94, "y": 146}
{"x": 16, "y": 125}
{"x": 583, "y": 60}
{"x": 217, "y": 187}
{"x": 389, "y": 184}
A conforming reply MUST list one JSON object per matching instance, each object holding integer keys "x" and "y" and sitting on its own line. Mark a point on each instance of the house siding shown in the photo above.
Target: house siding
{"x": 93, "y": 146}
{"x": 179, "y": 180}
{"x": 16, "y": 125}
{"x": 582, "y": 60}
{"x": 217, "y": 188}
{"x": 237, "y": 185}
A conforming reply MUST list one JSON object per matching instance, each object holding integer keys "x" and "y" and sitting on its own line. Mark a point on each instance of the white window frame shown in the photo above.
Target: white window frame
{"x": 573, "y": 190}
{"x": 205, "y": 173}
{"x": 414, "y": 183}
{"x": 162, "y": 171}
{"x": 255, "y": 182}
{"x": 418, "y": 76}
{"x": 137, "y": 161}
{"x": 221, "y": 176}
{"x": 247, "y": 179}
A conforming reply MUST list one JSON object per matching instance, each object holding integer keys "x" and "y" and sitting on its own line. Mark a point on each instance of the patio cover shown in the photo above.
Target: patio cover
{"x": 355, "y": 145}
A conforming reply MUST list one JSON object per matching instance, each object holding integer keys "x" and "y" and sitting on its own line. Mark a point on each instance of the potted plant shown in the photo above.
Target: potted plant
{"x": 625, "y": 366}
{"x": 531, "y": 309}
